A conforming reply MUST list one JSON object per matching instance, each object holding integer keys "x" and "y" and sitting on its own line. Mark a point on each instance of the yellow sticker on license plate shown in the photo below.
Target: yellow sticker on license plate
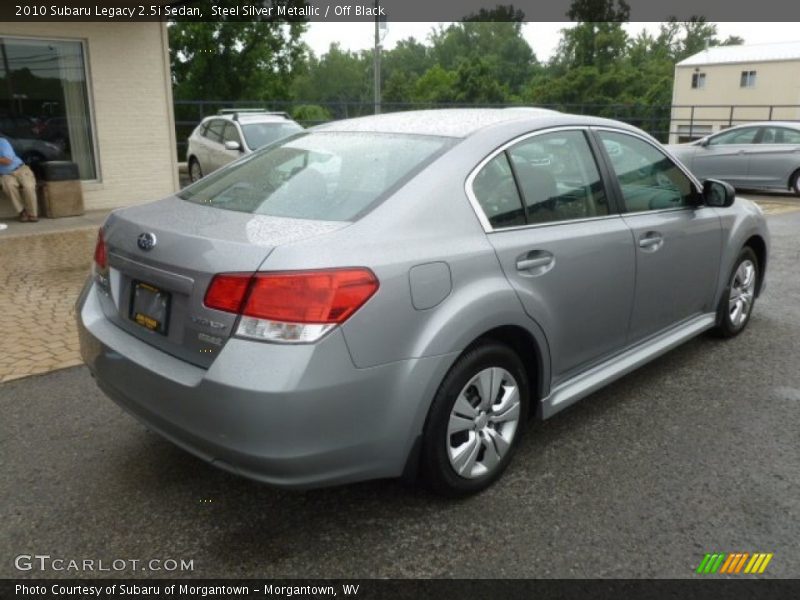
{"x": 146, "y": 321}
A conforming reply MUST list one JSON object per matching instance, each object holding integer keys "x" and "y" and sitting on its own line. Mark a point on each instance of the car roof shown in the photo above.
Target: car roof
{"x": 252, "y": 118}
{"x": 790, "y": 124}
{"x": 458, "y": 122}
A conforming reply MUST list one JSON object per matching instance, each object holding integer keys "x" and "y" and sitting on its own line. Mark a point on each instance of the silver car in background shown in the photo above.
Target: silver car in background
{"x": 762, "y": 155}
{"x": 400, "y": 293}
{"x": 231, "y": 134}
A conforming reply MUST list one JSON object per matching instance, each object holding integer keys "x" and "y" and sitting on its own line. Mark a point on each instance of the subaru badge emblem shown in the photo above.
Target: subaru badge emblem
{"x": 146, "y": 241}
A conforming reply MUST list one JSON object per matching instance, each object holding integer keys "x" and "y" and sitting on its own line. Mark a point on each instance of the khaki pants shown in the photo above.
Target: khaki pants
{"x": 20, "y": 187}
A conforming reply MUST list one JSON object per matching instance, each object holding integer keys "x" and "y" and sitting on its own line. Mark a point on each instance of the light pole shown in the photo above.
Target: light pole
{"x": 376, "y": 58}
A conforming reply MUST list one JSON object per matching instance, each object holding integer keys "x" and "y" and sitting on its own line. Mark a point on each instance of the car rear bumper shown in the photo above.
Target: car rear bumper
{"x": 288, "y": 415}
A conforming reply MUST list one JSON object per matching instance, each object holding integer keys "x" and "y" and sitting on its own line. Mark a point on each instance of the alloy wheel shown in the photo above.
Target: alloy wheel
{"x": 483, "y": 423}
{"x": 743, "y": 287}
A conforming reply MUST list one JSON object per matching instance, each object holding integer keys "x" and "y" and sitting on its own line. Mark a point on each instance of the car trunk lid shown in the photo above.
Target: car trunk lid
{"x": 162, "y": 257}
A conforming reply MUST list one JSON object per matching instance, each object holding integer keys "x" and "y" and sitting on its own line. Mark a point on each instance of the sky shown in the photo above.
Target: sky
{"x": 543, "y": 37}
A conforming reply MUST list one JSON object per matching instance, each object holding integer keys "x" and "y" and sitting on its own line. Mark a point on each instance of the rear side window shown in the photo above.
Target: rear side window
{"x": 496, "y": 192}
{"x": 546, "y": 178}
{"x": 788, "y": 136}
{"x": 779, "y": 135}
{"x": 333, "y": 176}
{"x": 558, "y": 177}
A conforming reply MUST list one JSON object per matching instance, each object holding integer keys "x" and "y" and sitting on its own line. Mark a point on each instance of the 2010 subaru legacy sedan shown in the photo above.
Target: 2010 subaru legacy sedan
{"x": 396, "y": 294}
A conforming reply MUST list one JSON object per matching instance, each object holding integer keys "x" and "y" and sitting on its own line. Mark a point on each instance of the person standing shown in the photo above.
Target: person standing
{"x": 18, "y": 182}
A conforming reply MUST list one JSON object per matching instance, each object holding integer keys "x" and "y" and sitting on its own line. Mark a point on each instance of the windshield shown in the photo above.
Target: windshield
{"x": 331, "y": 176}
{"x": 260, "y": 134}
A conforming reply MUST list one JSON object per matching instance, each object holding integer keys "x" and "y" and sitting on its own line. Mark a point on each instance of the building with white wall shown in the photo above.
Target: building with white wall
{"x": 730, "y": 85}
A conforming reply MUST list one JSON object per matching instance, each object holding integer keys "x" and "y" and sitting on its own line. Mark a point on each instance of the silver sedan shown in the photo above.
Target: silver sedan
{"x": 754, "y": 156}
{"x": 401, "y": 293}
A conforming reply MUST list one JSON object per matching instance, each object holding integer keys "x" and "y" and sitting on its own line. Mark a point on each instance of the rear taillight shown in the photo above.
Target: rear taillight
{"x": 100, "y": 255}
{"x": 226, "y": 292}
{"x": 296, "y": 306}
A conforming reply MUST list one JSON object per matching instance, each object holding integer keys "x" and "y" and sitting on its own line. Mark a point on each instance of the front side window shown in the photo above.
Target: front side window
{"x": 746, "y": 135}
{"x": 748, "y": 79}
{"x": 44, "y": 102}
{"x": 558, "y": 177}
{"x": 649, "y": 180}
{"x": 698, "y": 80}
{"x": 230, "y": 134}
{"x": 333, "y": 176}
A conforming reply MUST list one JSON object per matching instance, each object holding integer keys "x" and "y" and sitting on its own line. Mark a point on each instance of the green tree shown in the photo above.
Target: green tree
{"x": 598, "y": 39}
{"x": 498, "y": 44}
{"x": 235, "y": 59}
{"x": 401, "y": 68}
{"x": 339, "y": 77}
{"x": 476, "y": 83}
{"x": 699, "y": 35}
{"x": 436, "y": 85}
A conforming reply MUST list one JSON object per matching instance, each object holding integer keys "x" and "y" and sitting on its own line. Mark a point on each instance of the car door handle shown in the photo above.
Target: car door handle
{"x": 536, "y": 259}
{"x": 651, "y": 241}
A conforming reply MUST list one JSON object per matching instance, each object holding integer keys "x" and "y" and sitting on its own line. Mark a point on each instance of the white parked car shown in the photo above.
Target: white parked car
{"x": 223, "y": 138}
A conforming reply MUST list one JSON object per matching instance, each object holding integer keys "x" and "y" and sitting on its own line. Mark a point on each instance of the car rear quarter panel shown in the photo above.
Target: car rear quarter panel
{"x": 430, "y": 220}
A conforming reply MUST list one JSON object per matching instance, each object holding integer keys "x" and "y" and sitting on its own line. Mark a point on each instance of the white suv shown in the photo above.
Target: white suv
{"x": 223, "y": 138}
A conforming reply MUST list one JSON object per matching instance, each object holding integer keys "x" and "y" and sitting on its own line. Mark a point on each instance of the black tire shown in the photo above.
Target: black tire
{"x": 195, "y": 171}
{"x": 435, "y": 462}
{"x": 726, "y": 326}
{"x": 795, "y": 185}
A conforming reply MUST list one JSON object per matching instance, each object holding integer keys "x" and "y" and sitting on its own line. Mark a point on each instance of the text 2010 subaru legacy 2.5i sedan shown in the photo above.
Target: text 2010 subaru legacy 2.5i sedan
{"x": 401, "y": 293}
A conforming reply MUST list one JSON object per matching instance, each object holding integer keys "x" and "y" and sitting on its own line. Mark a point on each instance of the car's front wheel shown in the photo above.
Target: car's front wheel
{"x": 737, "y": 302}
{"x": 475, "y": 421}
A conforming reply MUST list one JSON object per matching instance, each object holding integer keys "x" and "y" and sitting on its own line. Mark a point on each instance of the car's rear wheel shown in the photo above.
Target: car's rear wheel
{"x": 737, "y": 302}
{"x": 195, "y": 172}
{"x": 475, "y": 421}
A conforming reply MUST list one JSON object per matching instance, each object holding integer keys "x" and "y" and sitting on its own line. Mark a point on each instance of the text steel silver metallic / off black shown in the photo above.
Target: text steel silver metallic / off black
{"x": 403, "y": 293}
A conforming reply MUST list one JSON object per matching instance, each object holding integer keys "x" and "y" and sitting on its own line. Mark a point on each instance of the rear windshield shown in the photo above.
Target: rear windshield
{"x": 260, "y": 134}
{"x": 330, "y": 176}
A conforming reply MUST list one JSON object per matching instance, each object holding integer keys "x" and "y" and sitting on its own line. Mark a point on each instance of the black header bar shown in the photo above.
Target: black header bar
{"x": 365, "y": 10}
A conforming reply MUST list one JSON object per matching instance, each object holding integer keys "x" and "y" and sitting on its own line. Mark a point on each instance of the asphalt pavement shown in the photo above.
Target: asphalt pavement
{"x": 697, "y": 452}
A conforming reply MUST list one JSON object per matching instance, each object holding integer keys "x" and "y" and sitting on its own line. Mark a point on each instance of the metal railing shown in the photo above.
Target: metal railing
{"x": 719, "y": 116}
{"x": 664, "y": 122}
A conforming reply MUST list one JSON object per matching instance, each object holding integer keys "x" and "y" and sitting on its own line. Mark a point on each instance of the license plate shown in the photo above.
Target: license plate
{"x": 150, "y": 307}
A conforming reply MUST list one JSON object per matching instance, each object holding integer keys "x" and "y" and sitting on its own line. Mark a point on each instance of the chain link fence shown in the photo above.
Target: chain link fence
{"x": 667, "y": 123}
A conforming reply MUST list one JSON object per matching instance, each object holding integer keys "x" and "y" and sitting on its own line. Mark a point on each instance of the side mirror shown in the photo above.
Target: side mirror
{"x": 703, "y": 142}
{"x": 233, "y": 145}
{"x": 718, "y": 193}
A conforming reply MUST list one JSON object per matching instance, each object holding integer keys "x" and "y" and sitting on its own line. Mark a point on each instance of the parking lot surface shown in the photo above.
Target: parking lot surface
{"x": 40, "y": 279}
{"x": 697, "y": 452}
